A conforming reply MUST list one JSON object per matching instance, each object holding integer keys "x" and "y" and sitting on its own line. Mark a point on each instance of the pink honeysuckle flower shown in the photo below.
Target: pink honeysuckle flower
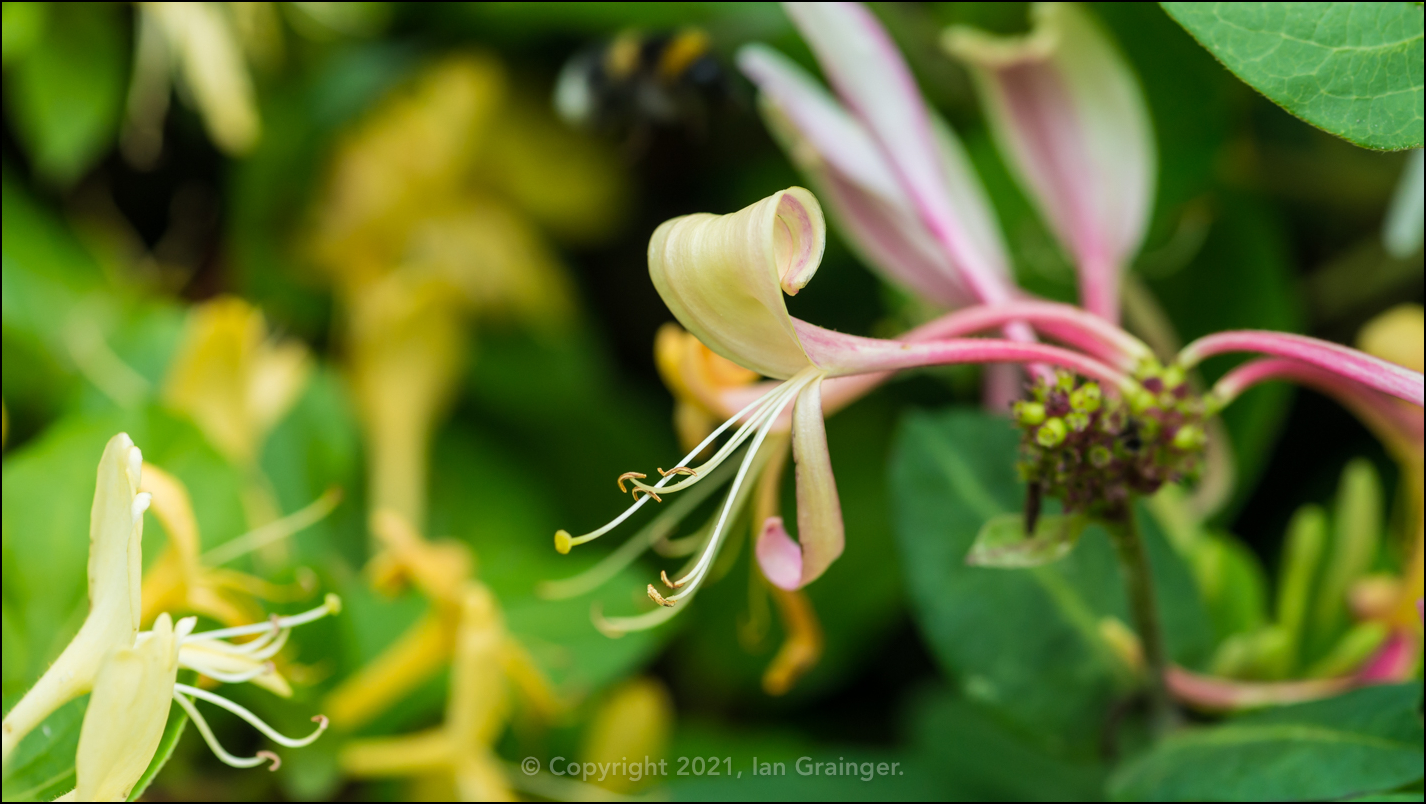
{"x": 1068, "y": 113}
{"x": 723, "y": 277}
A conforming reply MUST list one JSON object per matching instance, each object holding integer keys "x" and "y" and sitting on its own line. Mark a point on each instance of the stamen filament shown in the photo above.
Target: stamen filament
{"x": 231, "y": 678}
{"x": 702, "y": 445}
{"x": 700, "y": 570}
{"x": 629, "y": 551}
{"x": 277, "y": 530}
{"x": 215, "y": 746}
{"x": 253, "y": 719}
{"x": 331, "y": 605}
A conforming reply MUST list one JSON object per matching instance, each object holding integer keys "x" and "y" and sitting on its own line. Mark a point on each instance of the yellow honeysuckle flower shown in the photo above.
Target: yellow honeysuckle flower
{"x": 476, "y": 711}
{"x": 432, "y": 215}
{"x": 199, "y": 43}
{"x": 116, "y": 526}
{"x": 133, "y": 674}
{"x": 233, "y": 379}
{"x": 441, "y": 571}
{"x": 183, "y": 580}
{"x": 632, "y": 726}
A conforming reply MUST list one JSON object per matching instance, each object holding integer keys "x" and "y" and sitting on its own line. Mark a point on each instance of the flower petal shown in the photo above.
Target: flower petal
{"x": 778, "y": 555}
{"x": 1069, "y": 115}
{"x": 723, "y": 276}
{"x": 819, "y": 511}
{"x": 864, "y": 66}
{"x": 126, "y": 716}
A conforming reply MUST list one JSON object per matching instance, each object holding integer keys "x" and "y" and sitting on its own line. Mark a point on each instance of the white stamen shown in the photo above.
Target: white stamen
{"x": 691, "y": 581}
{"x": 738, "y": 437}
{"x": 256, "y": 721}
{"x": 228, "y": 678}
{"x": 213, "y": 744}
{"x": 294, "y": 522}
{"x": 331, "y": 606}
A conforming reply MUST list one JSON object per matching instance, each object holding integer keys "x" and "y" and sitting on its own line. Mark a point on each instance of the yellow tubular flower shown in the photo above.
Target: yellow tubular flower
{"x": 697, "y": 376}
{"x": 476, "y": 711}
{"x": 232, "y": 379}
{"x": 633, "y": 726}
{"x": 116, "y": 526}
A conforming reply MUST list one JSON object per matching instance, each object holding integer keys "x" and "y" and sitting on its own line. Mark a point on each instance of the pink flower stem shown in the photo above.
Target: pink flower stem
{"x": 1066, "y": 323}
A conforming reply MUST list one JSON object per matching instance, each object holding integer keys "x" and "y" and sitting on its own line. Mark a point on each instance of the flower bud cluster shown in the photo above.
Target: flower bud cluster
{"x": 1092, "y": 450}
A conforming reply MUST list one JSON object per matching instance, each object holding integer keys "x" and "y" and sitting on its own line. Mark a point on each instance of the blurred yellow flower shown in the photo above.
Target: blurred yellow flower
{"x": 199, "y": 43}
{"x": 431, "y": 216}
{"x": 632, "y": 726}
{"x": 441, "y": 571}
{"x": 455, "y": 761}
{"x": 233, "y": 379}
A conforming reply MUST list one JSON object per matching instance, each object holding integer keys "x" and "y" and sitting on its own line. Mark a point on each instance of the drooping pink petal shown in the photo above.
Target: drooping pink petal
{"x": 778, "y": 555}
{"x": 819, "y": 510}
{"x": 1343, "y": 361}
{"x": 869, "y": 74}
{"x": 854, "y": 180}
{"x": 1071, "y": 119}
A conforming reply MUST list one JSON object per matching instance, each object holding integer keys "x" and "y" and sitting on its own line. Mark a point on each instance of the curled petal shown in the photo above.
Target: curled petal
{"x": 723, "y": 277}
{"x": 845, "y": 165}
{"x": 869, "y": 74}
{"x": 1068, "y": 113}
{"x": 1345, "y": 362}
{"x": 778, "y": 555}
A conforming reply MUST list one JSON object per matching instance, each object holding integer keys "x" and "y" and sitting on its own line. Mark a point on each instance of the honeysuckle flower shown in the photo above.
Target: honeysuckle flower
{"x": 198, "y": 43}
{"x": 457, "y": 756}
{"x": 233, "y": 379}
{"x": 724, "y": 277}
{"x": 183, "y": 580}
{"x": 434, "y": 215}
{"x": 116, "y": 526}
{"x": 442, "y": 571}
{"x": 132, "y": 674}
{"x": 1070, "y": 117}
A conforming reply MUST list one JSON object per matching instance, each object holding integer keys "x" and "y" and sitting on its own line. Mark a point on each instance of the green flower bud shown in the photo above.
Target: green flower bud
{"x": 1078, "y": 421}
{"x": 1173, "y": 376}
{"x": 1051, "y": 433}
{"x": 1065, "y": 381}
{"x": 1086, "y": 398}
{"x": 1141, "y": 400}
{"x": 1100, "y": 456}
{"x": 1189, "y": 437}
{"x": 1029, "y": 414}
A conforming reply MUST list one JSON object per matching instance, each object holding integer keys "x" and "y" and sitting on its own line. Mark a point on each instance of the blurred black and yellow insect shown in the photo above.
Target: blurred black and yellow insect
{"x": 625, "y": 85}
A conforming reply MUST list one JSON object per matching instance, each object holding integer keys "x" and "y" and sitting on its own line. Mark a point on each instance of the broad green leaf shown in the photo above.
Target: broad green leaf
{"x": 974, "y": 758}
{"x": 1364, "y": 741}
{"x": 1351, "y": 69}
{"x": 1026, "y": 645}
{"x": 66, "y": 94}
{"x": 1002, "y": 541}
{"x": 42, "y": 767}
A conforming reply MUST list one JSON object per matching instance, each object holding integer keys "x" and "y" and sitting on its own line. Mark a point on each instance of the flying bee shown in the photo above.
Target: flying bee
{"x": 633, "y": 82}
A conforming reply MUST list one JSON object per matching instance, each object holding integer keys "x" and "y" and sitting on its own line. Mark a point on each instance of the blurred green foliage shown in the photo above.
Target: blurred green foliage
{"x": 982, "y": 683}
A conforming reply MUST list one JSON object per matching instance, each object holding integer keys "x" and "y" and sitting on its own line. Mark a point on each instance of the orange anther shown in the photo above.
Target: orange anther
{"x": 629, "y": 476}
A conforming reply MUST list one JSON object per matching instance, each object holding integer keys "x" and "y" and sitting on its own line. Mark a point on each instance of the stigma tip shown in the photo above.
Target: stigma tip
{"x": 563, "y": 542}
{"x": 334, "y": 603}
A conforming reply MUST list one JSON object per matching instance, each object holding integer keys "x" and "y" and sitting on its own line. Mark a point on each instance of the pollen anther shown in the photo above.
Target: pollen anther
{"x": 629, "y": 476}
{"x": 670, "y": 584}
{"x": 658, "y": 598}
{"x": 678, "y": 470}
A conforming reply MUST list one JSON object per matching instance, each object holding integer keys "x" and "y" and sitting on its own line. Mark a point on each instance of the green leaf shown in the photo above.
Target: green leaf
{"x": 65, "y": 96}
{"x": 1364, "y": 741}
{"x": 1027, "y": 645}
{"x": 172, "y": 733}
{"x": 1002, "y": 541}
{"x": 42, "y": 767}
{"x": 1351, "y": 69}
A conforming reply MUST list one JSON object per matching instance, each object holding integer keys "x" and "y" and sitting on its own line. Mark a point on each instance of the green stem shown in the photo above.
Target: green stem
{"x": 1143, "y": 608}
